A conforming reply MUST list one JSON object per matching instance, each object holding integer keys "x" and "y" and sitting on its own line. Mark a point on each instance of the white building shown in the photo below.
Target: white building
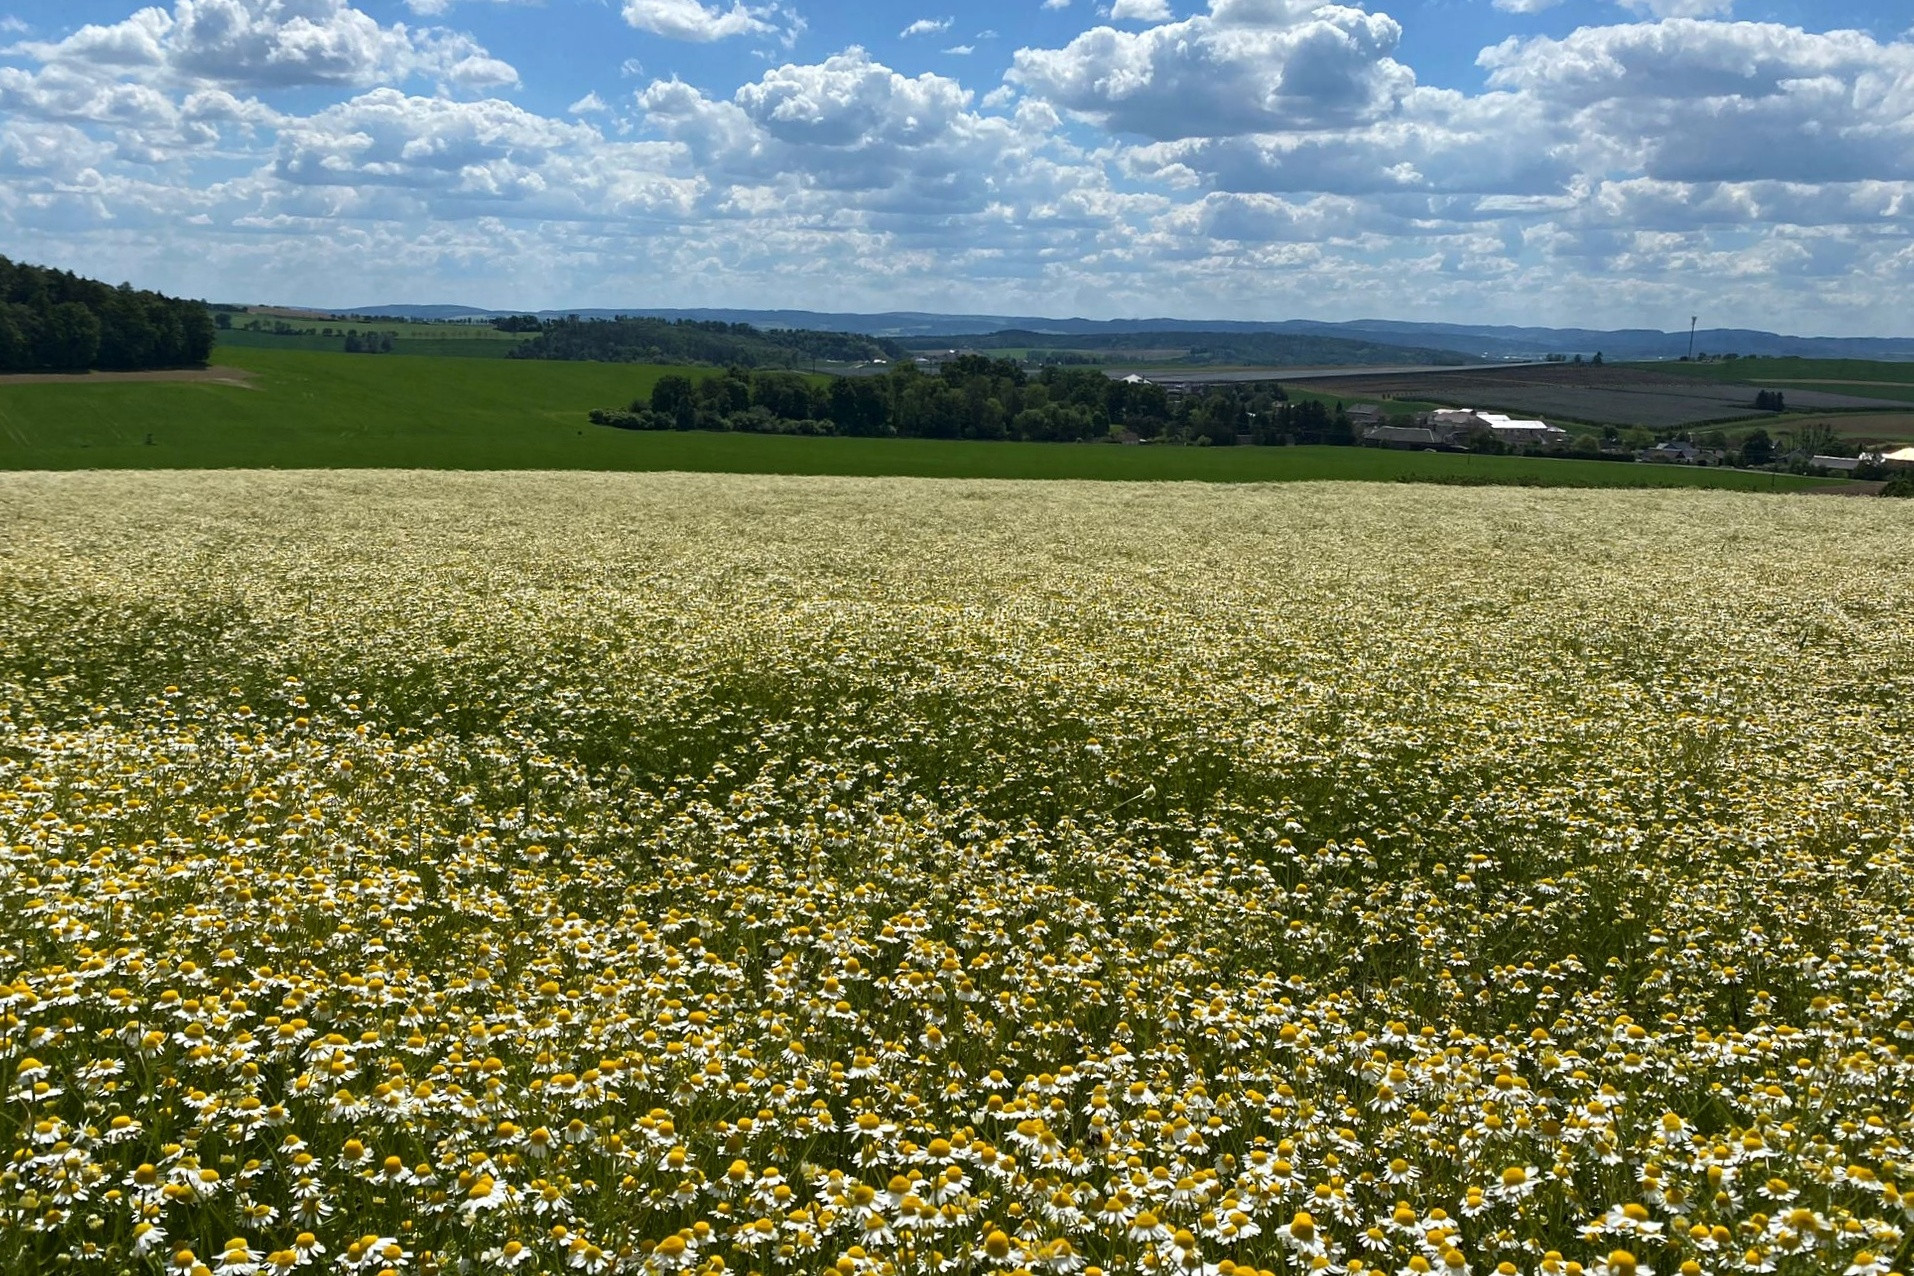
{"x": 1515, "y": 431}
{"x": 1523, "y": 433}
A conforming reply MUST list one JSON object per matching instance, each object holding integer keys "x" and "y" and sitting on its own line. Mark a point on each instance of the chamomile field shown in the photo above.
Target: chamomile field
{"x": 410, "y": 872}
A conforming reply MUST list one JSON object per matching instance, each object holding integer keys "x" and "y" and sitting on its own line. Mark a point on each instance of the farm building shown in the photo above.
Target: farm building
{"x": 1523, "y": 433}
{"x": 1400, "y": 436}
{"x": 1515, "y": 431}
{"x": 1674, "y": 451}
{"x": 1899, "y": 459}
{"x": 1845, "y": 464}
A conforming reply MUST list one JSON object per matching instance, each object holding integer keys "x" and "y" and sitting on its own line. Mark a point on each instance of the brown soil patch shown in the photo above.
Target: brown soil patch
{"x": 211, "y": 376}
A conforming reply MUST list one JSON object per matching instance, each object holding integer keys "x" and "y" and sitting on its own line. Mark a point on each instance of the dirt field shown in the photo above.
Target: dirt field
{"x": 1619, "y": 395}
{"x": 212, "y": 376}
{"x": 1896, "y": 427}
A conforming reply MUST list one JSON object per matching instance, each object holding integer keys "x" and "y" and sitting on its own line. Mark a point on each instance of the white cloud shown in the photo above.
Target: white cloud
{"x": 1247, "y": 66}
{"x": 590, "y": 104}
{"x": 1056, "y": 4}
{"x": 10, "y": 25}
{"x": 961, "y": 50}
{"x": 690, "y": 20}
{"x": 268, "y": 44}
{"x": 1526, "y": 6}
{"x": 386, "y": 154}
{"x": 1140, "y": 11}
{"x": 925, "y": 26}
{"x": 849, "y": 134}
{"x": 1692, "y": 101}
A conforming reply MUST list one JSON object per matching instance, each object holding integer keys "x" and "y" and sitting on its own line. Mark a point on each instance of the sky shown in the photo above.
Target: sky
{"x": 1601, "y": 163}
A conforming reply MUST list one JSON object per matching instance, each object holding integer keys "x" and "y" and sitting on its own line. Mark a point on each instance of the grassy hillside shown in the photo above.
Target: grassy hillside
{"x": 400, "y": 411}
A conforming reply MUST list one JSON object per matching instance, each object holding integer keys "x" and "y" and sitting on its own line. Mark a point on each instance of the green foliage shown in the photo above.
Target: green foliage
{"x": 1901, "y": 485}
{"x": 56, "y": 321}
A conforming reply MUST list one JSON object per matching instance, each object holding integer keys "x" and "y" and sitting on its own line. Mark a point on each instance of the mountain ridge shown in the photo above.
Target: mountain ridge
{"x": 1492, "y": 341}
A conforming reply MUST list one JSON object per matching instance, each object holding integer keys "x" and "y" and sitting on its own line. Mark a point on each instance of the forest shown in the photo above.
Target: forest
{"x": 640, "y": 340}
{"x": 976, "y": 397}
{"x": 56, "y": 321}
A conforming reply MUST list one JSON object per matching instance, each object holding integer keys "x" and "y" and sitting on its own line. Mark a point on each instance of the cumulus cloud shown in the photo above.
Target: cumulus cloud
{"x": 1246, "y": 66}
{"x": 1525, "y": 6}
{"x": 264, "y": 45}
{"x": 1684, "y": 100}
{"x": 851, "y": 141}
{"x": 464, "y": 159}
{"x": 925, "y": 26}
{"x": 690, "y": 20}
{"x": 1140, "y": 11}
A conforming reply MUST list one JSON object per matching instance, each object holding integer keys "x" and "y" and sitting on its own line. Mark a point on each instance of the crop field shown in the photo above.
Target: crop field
{"x": 442, "y": 340}
{"x": 432, "y": 873}
{"x": 1617, "y": 394}
{"x": 391, "y": 411}
{"x": 1890, "y": 427}
{"x": 1863, "y": 377}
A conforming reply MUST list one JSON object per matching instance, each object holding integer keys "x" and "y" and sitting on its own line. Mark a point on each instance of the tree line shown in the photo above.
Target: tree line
{"x": 56, "y": 321}
{"x": 976, "y": 397}
{"x": 631, "y": 339}
{"x": 1268, "y": 349}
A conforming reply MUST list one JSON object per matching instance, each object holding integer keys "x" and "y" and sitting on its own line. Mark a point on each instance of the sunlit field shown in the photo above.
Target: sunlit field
{"x": 455, "y": 873}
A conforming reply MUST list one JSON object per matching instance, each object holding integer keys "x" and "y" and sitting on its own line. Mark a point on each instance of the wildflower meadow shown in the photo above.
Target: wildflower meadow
{"x": 407, "y": 873}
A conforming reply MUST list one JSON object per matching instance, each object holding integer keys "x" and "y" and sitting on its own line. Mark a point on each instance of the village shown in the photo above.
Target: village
{"x": 1466, "y": 428}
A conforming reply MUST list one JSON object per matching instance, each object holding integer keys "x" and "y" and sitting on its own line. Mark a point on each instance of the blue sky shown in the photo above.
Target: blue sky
{"x": 1611, "y": 162}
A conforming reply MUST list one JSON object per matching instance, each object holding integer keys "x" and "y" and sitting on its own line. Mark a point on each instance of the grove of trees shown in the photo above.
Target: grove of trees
{"x": 56, "y": 321}
{"x": 976, "y": 397}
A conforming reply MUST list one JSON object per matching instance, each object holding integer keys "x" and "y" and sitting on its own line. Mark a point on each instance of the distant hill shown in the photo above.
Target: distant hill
{"x": 630, "y": 339}
{"x": 1479, "y": 340}
{"x": 1198, "y": 349}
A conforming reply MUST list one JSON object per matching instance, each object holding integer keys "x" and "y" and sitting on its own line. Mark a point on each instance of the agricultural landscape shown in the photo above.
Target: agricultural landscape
{"x": 428, "y": 849}
{"x": 1028, "y": 638}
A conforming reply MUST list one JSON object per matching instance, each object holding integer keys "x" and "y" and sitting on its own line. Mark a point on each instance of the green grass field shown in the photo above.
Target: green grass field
{"x": 443, "y": 340}
{"x": 1389, "y": 406}
{"x": 314, "y": 410}
{"x": 1865, "y": 378}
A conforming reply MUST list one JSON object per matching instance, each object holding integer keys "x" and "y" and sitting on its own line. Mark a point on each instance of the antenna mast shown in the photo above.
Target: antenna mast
{"x": 1692, "y": 321}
